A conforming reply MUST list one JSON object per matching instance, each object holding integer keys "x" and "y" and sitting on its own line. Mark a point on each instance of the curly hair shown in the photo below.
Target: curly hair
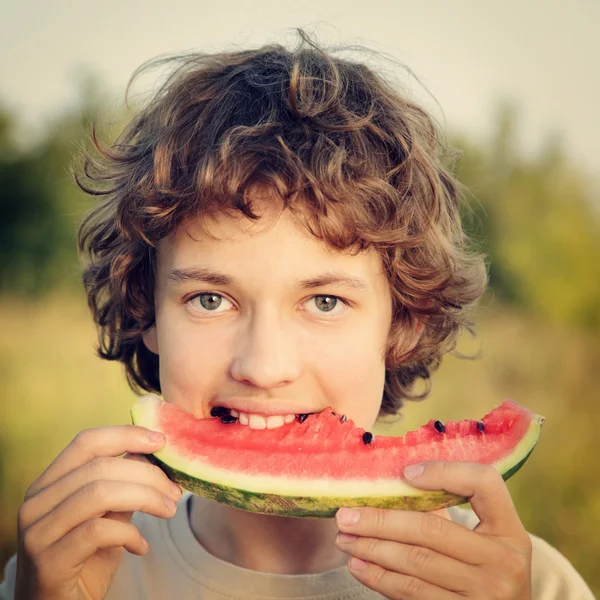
{"x": 336, "y": 141}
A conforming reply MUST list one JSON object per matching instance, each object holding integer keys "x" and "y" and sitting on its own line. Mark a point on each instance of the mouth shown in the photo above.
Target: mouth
{"x": 257, "y": 419}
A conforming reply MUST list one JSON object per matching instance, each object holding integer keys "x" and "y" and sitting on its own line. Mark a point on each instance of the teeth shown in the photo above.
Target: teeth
{"x": 257, "y": 422}
{"x": 274, "y": 421}
{"x": 261, "y": 422}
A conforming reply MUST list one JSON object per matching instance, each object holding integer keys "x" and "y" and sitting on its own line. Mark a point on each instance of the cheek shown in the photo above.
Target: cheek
{"x": 351, "y": 372}
{"x": 191, "y": 363}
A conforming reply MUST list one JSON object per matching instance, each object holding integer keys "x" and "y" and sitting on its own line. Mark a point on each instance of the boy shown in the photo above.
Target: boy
{"x": 278, "y": 235}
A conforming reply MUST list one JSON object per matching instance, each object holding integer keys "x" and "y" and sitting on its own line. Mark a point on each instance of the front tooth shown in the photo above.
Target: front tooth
{"x": 234, "y": 413}
{"x": 257, "y": 422}
{"x": 274, "y": 421}
{"x": 289, "y": 418}
{"x": 243, "y": 418}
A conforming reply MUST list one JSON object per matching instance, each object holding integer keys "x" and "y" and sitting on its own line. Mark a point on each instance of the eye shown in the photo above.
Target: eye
{"x": 325, "y": 304}
{"x": 210, "y": 302}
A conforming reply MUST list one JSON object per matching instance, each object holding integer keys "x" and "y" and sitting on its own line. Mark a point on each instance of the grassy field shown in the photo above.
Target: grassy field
{"x": 54, "y": 386}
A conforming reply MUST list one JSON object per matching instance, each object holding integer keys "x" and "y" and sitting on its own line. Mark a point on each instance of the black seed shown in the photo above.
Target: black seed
{"x": 343, "y": 418}
{"x": 228, "y": 419}
{"x": 367, "y": 437}
{"x": 439, "y": 426}
{"x": 218, "y": 411}
{"x": 480, "y": 425}
{"x": 302, "y": 418}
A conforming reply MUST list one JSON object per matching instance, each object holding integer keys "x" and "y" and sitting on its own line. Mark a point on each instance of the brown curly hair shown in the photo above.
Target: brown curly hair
{"x": 332, "y": 137}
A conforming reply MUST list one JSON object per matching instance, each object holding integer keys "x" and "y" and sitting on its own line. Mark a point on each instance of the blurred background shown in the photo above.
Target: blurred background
{"x": 512, "y": 84}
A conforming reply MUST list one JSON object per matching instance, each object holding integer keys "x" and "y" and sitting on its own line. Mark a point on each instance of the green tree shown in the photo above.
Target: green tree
{"x": 40, "y": 203}
{"x": 535, "y": 220}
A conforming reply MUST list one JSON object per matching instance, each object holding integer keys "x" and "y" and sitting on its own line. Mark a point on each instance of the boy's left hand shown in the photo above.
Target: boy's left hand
{"x": 424, "y": 555}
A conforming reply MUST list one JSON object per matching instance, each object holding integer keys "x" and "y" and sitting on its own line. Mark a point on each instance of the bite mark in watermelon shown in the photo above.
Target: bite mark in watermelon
{"x": 313, "y": 467}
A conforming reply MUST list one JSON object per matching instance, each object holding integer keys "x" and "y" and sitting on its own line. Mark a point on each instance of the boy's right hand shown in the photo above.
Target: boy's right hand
{"x": 75, "y": 522}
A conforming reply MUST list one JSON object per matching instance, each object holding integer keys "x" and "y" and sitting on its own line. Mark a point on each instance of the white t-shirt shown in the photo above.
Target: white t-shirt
{"x": 178, "y": 566}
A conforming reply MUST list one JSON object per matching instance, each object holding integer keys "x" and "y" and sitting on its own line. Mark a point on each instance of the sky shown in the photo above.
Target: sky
{"x": 542, "y": 55}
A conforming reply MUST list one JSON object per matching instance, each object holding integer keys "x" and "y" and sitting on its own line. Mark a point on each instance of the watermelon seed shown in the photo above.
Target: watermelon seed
{"x": 219, "y": 411}
{"x": 480, "y": 426}
{"x": 343, "y": 418}
{"x": 302, "y": 418}
{"x": 367, "y": 437}
{"x": 228, "y": 419}
{"x": 439, "y": 426}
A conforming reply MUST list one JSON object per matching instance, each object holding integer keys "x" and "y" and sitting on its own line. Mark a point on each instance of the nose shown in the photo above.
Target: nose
{"x": 266, "y": 354}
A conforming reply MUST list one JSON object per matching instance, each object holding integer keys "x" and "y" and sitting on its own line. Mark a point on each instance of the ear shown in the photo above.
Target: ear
{"x": 402, "y": 340}
{"x": 151, "y": 339}
{"x": 419, "y": 326}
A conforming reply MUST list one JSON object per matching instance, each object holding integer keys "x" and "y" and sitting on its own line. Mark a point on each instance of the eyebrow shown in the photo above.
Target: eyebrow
{"x": 334, "y": 278}
{"x": 199, "y": 274}
{"x": 206, "y": 275}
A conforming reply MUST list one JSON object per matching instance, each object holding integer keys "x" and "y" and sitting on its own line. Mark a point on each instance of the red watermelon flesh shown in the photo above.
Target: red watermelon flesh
{"x": 312, "y": 467}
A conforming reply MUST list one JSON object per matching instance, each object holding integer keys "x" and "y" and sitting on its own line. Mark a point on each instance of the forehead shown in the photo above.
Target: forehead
{"x": 275, "y": 245}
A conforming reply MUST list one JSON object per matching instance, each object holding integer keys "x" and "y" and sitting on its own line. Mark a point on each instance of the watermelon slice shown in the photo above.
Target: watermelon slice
{"x": 317, "y": 463}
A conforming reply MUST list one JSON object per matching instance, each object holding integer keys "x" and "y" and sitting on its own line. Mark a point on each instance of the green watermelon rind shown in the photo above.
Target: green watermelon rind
{"x": 314, "y": 507}
{"x": 318, "y": 505}
{"x": 302, "y": 506}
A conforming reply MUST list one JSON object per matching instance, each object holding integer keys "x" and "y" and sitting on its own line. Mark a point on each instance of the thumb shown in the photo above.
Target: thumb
{"x": 481, "y": 484}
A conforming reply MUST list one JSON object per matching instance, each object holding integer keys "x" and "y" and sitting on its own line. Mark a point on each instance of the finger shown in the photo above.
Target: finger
{"x": 441, "y": 512}
{"x": 135, "y": 470}
{"x": 127, "y": 516}
{"x": 425, "y": 529}
{"x": 395, "y": 586}
{"x": 73, "y": 550}
{"x": 136, "y": 457}
{"x": 416, "y": 561}
{"x": 92, "y": 443}
{"x": 482, "y": 485}
{"x": 92, "y": 502}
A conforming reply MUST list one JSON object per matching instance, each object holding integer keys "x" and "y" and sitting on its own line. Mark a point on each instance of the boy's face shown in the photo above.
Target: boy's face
{"x": 264, "y": 317}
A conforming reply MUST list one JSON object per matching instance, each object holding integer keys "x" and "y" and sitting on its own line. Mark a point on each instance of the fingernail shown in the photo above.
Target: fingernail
{"x": 348, "y": 516}
{"x": 176, "y": 489}
{"x": 357, "y": 564}
{"x": 413, "y": 471}
{"x": 155, "y": 436}
{"x": 170, "y": 504}
{"x": 345, "y": 538}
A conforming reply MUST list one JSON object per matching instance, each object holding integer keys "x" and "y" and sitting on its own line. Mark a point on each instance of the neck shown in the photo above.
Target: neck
{"x": 264, "y": 543}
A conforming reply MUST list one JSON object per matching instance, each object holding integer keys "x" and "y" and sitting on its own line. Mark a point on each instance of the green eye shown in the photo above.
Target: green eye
{"x": 210, "y": 301}
{"x": 325, "y": 303}
{"x": 206, "y": 302}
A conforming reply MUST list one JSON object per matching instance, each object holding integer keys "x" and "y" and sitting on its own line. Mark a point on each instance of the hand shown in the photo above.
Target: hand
{"x": 425, "y": 556}
{"x": 75, "y": 522}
